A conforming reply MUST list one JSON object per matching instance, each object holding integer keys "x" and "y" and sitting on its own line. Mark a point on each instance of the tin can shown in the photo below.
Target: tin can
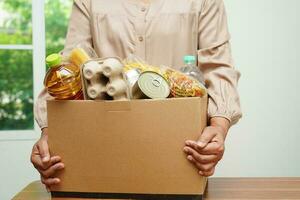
{"x": 153, "y": 85}
{"x": 131, "y": 77}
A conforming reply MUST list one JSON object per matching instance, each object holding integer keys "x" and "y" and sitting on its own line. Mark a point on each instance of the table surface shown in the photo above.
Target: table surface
{"x": 218, "y": 188}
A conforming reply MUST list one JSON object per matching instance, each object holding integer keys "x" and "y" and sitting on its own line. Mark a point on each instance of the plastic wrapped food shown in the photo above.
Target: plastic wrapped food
{"x": 133, "y": 62}
{"x": 78, "y": 56}
{"x": 181, "y": 85}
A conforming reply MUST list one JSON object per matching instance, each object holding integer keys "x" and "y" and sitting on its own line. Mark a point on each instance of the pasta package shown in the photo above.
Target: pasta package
{"x": 133, "y": 62}
{"x": 181, "y": 85}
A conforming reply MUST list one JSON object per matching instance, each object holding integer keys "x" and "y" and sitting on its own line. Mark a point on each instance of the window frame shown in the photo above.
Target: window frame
{"x": 38, "y": 48}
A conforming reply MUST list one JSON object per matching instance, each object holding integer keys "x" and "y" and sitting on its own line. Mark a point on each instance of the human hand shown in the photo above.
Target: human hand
{"x": 46, "y": 165}
{"x": 209, "y": 149}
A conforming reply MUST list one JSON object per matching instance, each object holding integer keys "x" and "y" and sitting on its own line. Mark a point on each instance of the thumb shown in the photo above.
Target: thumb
{"x": 44, "y": 150}
{"x": 206, "y": 137}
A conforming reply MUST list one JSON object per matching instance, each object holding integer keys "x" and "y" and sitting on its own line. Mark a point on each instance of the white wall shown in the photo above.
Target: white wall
{"x": 265, "y": 40}
{"x": 265, "y": 143}
{"x": 16, "y": 170}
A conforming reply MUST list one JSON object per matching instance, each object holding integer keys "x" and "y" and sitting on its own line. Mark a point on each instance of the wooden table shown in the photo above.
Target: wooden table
{"x": 218, "y": 189}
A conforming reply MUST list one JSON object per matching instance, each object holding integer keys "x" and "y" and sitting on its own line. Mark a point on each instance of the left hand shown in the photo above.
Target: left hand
{"x": 209, "y": 149}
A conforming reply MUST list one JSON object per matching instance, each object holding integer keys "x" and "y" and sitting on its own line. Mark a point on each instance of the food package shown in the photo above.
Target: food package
{"x": 103, "y": 79}
{"x": 181, "y": 85}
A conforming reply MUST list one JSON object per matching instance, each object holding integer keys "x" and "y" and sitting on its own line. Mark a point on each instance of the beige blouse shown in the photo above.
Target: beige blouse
{"x": 160, "y": 32}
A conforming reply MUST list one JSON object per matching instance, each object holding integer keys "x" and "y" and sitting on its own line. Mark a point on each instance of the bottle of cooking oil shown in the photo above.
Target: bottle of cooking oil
{"x": 63, "y": 80}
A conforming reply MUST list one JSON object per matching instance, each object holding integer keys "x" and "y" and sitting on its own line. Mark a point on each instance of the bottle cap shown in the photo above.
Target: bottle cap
{"x": 189, "y": 59}
{"x": 53, "y": 60}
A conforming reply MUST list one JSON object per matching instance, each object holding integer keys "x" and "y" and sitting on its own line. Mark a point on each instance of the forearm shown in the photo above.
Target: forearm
{"x": 216, "y": 63}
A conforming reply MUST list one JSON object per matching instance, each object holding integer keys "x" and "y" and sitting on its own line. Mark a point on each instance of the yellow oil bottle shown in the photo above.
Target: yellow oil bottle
{"x": 63, "y": 79}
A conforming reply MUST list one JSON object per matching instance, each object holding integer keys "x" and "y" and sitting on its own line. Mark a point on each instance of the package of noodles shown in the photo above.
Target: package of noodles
{"x": 181, "y": 85}
{"x": 133, "y": 62}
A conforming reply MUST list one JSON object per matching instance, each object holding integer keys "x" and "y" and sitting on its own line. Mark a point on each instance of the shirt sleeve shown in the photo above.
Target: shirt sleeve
{"x": 40, "y": 108}
{"x": 78, "y": 33}
{"x": 216, "y": 63}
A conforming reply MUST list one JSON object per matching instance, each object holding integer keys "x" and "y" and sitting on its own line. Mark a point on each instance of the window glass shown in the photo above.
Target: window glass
{"x": 16, "y": 90}
{"x": 57, "y": 18}
{"x": 15, "y": 22}
{"x": 16, "y": 67}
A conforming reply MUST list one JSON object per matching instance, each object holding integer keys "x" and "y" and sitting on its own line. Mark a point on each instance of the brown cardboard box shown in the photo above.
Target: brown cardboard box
{"x": 127, "y": 149}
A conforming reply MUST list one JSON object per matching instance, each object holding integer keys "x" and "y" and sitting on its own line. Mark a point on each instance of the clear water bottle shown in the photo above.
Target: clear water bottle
{"x": 191, "y": 69}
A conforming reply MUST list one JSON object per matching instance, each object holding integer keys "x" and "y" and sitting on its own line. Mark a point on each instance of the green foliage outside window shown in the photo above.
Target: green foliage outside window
{"x": 57, "y": 18}
{"x": 16, "y": 70}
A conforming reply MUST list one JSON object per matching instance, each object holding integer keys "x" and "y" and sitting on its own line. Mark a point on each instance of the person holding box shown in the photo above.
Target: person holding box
{"x": 159, "y": 32}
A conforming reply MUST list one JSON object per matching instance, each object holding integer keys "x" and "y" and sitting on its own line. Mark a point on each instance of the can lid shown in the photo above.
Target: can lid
{"x": 53, "y": 60}
{"x": 189, "y": 59}
{"x": 154, "y": 85}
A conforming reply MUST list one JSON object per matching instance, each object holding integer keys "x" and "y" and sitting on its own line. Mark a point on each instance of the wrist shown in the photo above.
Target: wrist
{"x": 44, "y": 132}
{"x": 221, "y": 123}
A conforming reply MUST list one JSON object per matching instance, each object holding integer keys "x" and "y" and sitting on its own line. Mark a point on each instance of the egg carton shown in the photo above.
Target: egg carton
{"x": 103, "y": 79}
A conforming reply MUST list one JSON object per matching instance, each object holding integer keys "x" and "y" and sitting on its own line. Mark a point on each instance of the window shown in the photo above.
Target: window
{"x": 24, "y": 44}
{"x": 16, "y": 77}
{"x": 57, "y": 14}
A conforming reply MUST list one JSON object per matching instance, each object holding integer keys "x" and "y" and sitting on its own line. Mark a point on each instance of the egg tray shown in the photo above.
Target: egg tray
{"x": 103, "y": 79}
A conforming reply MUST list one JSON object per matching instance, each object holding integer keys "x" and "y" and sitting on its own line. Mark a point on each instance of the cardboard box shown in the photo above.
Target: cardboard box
{"x": 127, "y": 149}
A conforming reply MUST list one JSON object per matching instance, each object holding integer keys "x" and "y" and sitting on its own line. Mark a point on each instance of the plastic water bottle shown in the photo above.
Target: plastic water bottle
{"x": 191, "y": 69}
{"x": 63, "y": 80}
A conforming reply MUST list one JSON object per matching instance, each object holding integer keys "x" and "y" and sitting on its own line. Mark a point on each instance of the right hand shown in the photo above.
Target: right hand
{"x": 46, "y": 165}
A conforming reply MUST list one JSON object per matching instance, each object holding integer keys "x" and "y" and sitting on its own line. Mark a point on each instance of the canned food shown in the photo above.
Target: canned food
{"x": 131, "y": 77}
{"x": 153, "y": 85}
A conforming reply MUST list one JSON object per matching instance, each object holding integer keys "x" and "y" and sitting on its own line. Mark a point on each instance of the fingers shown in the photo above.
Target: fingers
{"x": 204, "y": 163}
{"x": 194, "y": 145}
{"x": 46, "y": 165}
{"x": 47, "y": 175}
{"x": 217, "y": 148}
{"x": 37, "y": 162}
{"x": 203, "y": 159}
{"x": 35, "y": 157}
{"x": 55, "y": 159}
{"x": 50, "y": 181}
{"x": 52, "y": 170}
{"x": 210, "y": 148}
{"x": 208, "y": 173}
{"x": 39, "y": 165}
{"x": 204, "y": 169}
{"x": 207, "y": 151}
{"x": 201, "y": 143}
{"x": 207, "y": 136}
{"x": 44, "y": 149}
